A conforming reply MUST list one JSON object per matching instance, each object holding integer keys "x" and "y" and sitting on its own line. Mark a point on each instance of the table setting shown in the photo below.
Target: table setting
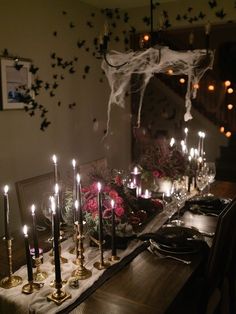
{"x": 109, "y": 222}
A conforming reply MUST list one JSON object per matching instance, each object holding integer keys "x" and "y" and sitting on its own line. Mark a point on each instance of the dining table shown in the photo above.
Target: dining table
{"x": 148, "y": 283}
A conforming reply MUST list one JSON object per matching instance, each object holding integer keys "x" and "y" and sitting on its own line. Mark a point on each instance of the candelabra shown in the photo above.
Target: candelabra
{"x": 81, "y": 272}
{"x": 10, "y": 281}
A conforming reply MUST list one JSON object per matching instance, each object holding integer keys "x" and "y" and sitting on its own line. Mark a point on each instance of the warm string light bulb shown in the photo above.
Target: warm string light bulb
{"x": 230, "y": 90}
{"x": 196, "y": 86}
{"x": 228, "y": 134}
{"x": 222, "y": 129}
{"x": 230, "y": 106}
{"x": 211, "y": 87}
{"x": 182, "y": 80}
{"x": 227, "y": 83}
{"x": 146, "y": 37}
{"x": 170, "y": 71}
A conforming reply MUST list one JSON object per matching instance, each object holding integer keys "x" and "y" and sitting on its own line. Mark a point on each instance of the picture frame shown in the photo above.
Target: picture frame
{"x": 15, "y": 73}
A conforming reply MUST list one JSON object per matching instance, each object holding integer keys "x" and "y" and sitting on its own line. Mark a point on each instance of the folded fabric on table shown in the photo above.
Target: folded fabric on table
{"x": 207, "y": 204}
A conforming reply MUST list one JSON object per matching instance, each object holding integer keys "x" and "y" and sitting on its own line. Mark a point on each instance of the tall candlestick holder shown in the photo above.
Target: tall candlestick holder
{"x": 72, "y": 250}
{"x": 62, "y": 259}
{"x": 32, "y": 287}
{"x": 101, "y": 264}
{"x": 10, "y": 281}
{"x": 58, "y": 296}
{"x": 39, "y": 275}
{"x": 81, "y": 272}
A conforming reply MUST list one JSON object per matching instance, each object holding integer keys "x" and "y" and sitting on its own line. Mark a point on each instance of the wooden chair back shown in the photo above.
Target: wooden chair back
{"x": 222, "y": 253}
{"x": 35, "y": 190}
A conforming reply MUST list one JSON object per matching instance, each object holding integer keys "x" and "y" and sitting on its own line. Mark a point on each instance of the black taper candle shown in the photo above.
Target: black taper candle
{"x": 74, "y": 187}
{"x": 100, "y": 213}
{"x": 35, "y": 237}
{"x": 56, "y": 238}
{"x": 79, "y": 198}
{"x": 27, "y": 253}
{"x": 6, "y": 213}
{"x": 113, "y": 230}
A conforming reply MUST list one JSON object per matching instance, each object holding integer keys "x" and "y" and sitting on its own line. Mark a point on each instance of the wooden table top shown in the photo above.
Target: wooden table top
{"x": 148, "y": 284}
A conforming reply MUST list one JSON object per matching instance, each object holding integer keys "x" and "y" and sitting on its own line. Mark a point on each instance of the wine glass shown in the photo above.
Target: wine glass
{"x": 201, "y": 180}
{"x": 211, "y": 173}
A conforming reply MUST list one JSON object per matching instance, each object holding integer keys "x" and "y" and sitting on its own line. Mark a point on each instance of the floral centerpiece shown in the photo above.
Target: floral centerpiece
{"x": 90, "y": 209}
{"x": 160, "y": 161}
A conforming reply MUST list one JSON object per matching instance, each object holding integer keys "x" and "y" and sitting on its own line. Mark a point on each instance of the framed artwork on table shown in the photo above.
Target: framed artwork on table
{"x": 16, "y": 78}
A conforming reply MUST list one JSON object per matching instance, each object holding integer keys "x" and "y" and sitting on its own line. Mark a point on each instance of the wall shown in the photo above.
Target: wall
{"x": 26, "y": 30}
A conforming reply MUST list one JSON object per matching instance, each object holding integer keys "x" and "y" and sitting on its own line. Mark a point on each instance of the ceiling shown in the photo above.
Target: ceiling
{"x": 123, "y": 4}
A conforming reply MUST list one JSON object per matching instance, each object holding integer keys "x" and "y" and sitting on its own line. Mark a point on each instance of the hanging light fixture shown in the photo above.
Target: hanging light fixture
{"x": 119, "y": 67}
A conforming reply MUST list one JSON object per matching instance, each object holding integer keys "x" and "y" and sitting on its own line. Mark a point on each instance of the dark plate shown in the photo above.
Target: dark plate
{"x": 178, "y": 239}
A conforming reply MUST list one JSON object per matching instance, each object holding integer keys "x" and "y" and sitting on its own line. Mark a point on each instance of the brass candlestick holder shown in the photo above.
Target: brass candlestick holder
{"x": 81, "y": 272}
{"x": 114, "y": 258}
{"x": 62, "y": 259}
{"x": 72, "y": 250}
{"x": 10, "y": 281}
{"x": 101, "y": 264}
{"x": 31, "y": 287}
{"x": 39, "y": 275}
{"x": 59, "y": 296}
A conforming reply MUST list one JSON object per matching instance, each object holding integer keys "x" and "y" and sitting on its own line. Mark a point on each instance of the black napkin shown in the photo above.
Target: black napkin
{"x": 206, "y": 204}
{"x": 176, "y": 239}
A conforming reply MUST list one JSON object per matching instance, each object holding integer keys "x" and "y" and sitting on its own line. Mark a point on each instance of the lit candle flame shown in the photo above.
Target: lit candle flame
{"x": 54, "y": 159}
{"x": 99, "y": 186}
{"x": 33, "y": 209}
{"x": 53, "y": 205}
{"x": 78, "y": 178}
{"x": 6, "y": 189}
{"x": 73, "y": 163}
{"x": 25, "y": 230}
{"x": 76, "y": 204}
{"x": 112, "y": 203}
{"x": 192, "y": 152}
{"x": 172, "y": 141}
{"x": 56, "y": 188}
{"x": 186, "y": 130}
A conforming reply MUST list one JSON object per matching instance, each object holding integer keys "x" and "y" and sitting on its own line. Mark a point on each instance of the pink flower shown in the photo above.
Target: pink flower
{"x": 118, "y": 180}
{"x": 113, "y": 194}
{"x": 157, "y": 174}
{"x": 119, "y": 211}
{"x": 91, "y": 205}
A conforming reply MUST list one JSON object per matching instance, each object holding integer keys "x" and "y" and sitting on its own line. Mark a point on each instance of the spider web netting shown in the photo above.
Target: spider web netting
{"x": 154, "y": 60}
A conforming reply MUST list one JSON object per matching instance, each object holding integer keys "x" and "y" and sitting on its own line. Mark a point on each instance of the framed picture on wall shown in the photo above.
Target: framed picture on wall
{"x": 16, "y": 78}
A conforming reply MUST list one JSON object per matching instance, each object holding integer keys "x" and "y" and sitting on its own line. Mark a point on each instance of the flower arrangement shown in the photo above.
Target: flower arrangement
{"x": 90, "y": 208}
{"x": 160, "y": 160}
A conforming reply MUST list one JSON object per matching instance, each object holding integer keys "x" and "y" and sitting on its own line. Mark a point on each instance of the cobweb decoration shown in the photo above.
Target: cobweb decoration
{"x": 158, "y": 59}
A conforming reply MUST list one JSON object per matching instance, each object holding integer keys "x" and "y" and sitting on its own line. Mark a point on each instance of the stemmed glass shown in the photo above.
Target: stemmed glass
{"x": 202, "y": 180}
{"x": 178, "y": 195}
{"x": 211, "y": 173}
